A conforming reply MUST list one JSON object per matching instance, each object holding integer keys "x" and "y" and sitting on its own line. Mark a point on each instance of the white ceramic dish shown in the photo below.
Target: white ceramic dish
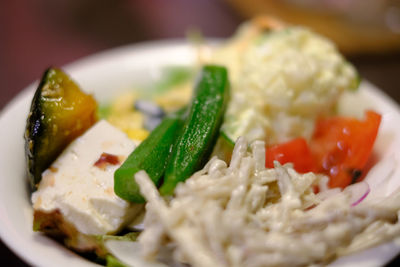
{"x": 104, "y": 75}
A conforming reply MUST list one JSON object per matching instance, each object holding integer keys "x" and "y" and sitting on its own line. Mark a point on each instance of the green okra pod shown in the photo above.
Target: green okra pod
{"x": 151, "y": 155}
{"x": 201, "y": 128}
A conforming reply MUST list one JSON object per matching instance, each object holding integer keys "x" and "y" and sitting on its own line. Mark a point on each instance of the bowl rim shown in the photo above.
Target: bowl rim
{"x": 115, "y": 54}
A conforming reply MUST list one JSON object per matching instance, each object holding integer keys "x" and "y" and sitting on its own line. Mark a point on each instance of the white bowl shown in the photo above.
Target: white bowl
{"x": 106, "y": 74}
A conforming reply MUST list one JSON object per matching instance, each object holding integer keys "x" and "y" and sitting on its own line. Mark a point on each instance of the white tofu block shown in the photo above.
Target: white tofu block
{"x": 83, "y": 192}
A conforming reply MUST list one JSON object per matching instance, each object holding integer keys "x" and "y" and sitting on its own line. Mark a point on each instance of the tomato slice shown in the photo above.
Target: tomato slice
{"x": 295, "y": 151}
{"x": 341, "y": 146}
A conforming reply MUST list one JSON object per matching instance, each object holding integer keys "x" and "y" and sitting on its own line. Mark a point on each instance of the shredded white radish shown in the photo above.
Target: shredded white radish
{"x": 246, "y": 215}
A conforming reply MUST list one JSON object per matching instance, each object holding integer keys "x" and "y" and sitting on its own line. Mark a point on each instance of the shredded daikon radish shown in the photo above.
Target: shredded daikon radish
{"x": 246, "y": 215}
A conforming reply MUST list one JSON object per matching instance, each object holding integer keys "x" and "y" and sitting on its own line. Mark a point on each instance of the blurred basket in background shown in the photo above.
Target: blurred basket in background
{"x": 356, "y": 26}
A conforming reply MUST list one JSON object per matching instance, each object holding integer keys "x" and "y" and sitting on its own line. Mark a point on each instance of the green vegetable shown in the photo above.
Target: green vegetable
{"x": 114, "y": 262}
{"x": 59, "y": 113}
{"x": 223, "y": 148}
{"x": 173, "y": 76}
{"x": 229, "y": 142}
{"x": 130, "y": 236}
{"x": 151, "y": 155}
{"x": 104, "y": 111}
{"x": 170, "y": 78}
{"x": 201, "y": 128}
{"x": 355, "y": 83}
{"x": 103, "y": 253}
{"x": 55, "y": 225}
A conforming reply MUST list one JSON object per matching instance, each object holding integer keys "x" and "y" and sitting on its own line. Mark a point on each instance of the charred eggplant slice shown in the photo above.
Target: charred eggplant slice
{"x": 59, "y": 113}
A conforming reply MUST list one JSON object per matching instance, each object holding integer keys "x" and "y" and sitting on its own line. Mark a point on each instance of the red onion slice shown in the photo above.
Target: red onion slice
{"x": 359, "y": 191}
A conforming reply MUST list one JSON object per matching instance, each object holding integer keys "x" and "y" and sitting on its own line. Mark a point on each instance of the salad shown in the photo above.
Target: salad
{"x": 250, "y": 166}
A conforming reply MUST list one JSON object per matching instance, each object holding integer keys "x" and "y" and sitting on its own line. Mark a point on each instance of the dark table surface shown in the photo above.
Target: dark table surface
{"x": 37, "y": 34}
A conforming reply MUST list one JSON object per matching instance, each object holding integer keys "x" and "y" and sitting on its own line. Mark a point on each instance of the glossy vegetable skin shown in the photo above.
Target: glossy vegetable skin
{"x": 342, "y": 146}
{"x": 151, "y": 155}
{"x": 59, "y": 113}
{"x": 295, "y": 151}
{"x": 201, "y": 128}
{"x": 223, "y": 148}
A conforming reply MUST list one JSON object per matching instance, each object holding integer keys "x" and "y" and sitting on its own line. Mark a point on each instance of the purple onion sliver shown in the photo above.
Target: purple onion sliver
{"x": 362, "y": 197}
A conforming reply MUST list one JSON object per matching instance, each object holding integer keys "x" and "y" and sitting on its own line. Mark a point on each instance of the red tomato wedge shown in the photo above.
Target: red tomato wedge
{"x": 341, "y": 147}
{"x": 295, "y": 151}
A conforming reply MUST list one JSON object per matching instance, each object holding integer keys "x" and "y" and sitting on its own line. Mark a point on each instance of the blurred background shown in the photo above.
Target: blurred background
{"x": 35, "y": 34}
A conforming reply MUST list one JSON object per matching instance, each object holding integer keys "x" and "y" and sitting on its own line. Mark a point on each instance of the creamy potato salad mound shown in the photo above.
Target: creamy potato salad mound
{"x": 282, "y": 79}
{"x": 246, "y": 215}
